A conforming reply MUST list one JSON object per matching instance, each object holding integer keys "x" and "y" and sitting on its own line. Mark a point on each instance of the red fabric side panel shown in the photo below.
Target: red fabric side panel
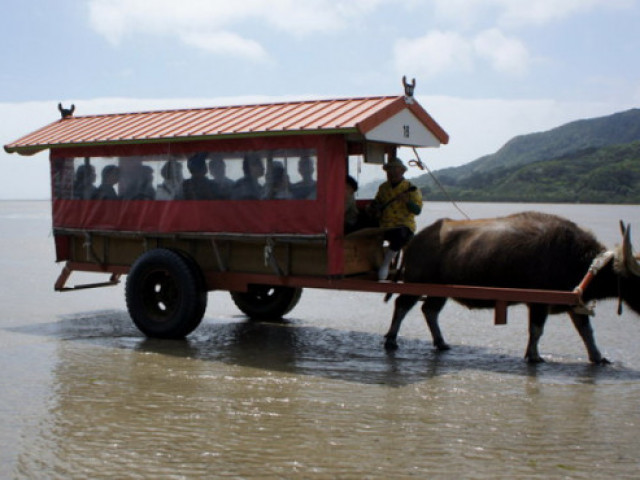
{"x": 333, "y": 190}
{"x": 265, "y": 216}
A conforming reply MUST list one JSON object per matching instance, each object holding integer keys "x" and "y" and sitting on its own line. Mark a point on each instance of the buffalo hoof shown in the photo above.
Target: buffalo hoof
{"x": 602, "y": 361}
{"x": 390, "y": 344}
{"x": 442, "y": 347}
{"x": 535, "y": 359}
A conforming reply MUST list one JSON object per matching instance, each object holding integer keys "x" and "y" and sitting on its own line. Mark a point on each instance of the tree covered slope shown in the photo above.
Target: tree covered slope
{"x": 590, "y": 161}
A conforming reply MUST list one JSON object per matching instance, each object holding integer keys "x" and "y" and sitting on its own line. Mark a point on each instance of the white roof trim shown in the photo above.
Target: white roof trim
{"x": 403, "y": 128}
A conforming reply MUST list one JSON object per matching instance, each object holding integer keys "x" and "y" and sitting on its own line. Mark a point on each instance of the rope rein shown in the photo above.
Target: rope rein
{"x": 418, "y": 163}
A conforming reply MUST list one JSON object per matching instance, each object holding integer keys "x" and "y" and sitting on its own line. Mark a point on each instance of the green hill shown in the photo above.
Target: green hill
{"x": 591, "y": 161}
{"x": 594, "y": 175}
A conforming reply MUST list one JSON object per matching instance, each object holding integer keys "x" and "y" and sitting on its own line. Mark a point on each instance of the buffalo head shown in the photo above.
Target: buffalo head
{"x": 627, "y": 266}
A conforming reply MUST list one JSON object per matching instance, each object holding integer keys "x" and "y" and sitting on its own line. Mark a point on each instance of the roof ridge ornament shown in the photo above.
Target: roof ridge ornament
{"x": 408, "y": 89}
{"x": 66, "y": 112}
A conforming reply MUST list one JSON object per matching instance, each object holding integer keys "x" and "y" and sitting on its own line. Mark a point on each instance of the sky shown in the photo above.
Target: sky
{"x": 486, "y": 70}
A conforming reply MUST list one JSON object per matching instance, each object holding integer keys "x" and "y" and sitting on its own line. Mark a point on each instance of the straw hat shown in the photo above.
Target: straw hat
{"x": 395, "y": 163}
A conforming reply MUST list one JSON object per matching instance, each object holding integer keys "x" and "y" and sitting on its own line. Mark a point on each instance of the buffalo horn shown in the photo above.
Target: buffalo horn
{"x": 629, "y": 261}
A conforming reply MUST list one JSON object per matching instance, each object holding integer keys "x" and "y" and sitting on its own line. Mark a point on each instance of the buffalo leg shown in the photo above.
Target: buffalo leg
{"x": 431, "y": 309}
{"x": 403, "y": 304}
{"x": 537, "y": 317}
{"x": 583, "y": 325}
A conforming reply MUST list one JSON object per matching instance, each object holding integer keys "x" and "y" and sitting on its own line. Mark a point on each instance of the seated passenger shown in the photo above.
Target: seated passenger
{"x": 130, "y": 173}
{"x": 351, "y": 212}
{"x": 83, "y": 184}
{"x": 305, "y": 188}
{"x": 222, "y": 184}
{"x": 277, "y": 187}
{"x": 198, "y": 187}
{"x": 144, "y": 187}
{"x": 171, "y": 186}
{"x": 248, "y": 187}
{"x": 106, "y": 191}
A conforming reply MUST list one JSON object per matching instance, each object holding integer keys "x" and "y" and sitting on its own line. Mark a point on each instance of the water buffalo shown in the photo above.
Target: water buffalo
{"x": 525, "y": 250}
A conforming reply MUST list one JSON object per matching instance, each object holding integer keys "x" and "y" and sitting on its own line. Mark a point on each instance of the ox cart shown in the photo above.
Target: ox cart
{"x": 148, "y": 195}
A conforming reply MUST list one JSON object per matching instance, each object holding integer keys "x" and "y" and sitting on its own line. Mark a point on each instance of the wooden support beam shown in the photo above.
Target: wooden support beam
{"x": 500, "y": 313}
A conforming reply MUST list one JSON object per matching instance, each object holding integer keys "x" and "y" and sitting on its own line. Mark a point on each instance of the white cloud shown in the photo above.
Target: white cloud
{"x": 506, "y": 55}
{"x": 464, "y": 47}
{"x": 116, "y": 19}
{"x": 226, "y": 43}
{"x": 515, "y": 13}
{"x": 206, "y": 24}
{"x": 434, "y": 54}
{"x": 461, "y": 12}
{"x": 449, "y": 52}
{"x": 540, "y": 12}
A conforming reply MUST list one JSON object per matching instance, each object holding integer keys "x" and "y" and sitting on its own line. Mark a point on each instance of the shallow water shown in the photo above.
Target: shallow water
{"x": 84, "y": 395}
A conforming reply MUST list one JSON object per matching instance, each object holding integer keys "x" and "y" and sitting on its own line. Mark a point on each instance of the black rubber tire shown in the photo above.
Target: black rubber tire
{"x": 265, "y": 302}
{"x": 202, "y": 286}
{"x": 165, "y": 295}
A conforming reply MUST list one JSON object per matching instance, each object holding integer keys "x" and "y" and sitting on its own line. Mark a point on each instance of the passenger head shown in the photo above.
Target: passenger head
{"x": 110, "y": 175}
{"x": 86, "y": 174}
{"x": 277, "y": 174}
{"x": 252, "y": 166}
{"x": 352, "y": 184}
{"x": 197, "y": 165}
{"x": 172, "y": 171}
{"x": 306, "y": 167}
{"x": 83, "y": 183}
{"x": 146, "y": 174}
{"x": 217, "y": 167}
{"x": 351, "y": 188}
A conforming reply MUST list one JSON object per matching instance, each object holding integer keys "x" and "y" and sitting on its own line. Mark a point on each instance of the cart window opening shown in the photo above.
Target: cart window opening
{"x": 368, "y": 176}
{"x": 284, "y": 174}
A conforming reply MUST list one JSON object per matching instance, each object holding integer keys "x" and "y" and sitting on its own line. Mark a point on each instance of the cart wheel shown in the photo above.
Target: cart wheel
{"x": 165, "y": 294}
{"x": 265, "y": 302}
{"x": 202, "y": 287}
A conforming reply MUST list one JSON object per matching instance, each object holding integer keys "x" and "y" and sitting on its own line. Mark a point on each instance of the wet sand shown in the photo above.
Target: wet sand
{"x": 84, "y": 395}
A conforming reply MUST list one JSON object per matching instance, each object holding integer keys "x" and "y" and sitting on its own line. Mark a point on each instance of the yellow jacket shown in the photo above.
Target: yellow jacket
{"x": 397, "y": 213}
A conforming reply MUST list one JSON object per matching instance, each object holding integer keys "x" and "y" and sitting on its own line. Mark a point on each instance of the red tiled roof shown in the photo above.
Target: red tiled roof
{"x": 316, "y": 116}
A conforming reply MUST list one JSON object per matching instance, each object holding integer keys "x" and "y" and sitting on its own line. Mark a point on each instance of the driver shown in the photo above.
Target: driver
{"x": 397, "y": 203}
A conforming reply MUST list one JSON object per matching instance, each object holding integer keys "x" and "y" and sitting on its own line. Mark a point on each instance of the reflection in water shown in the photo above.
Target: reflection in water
{"x": 241, "y": 399}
